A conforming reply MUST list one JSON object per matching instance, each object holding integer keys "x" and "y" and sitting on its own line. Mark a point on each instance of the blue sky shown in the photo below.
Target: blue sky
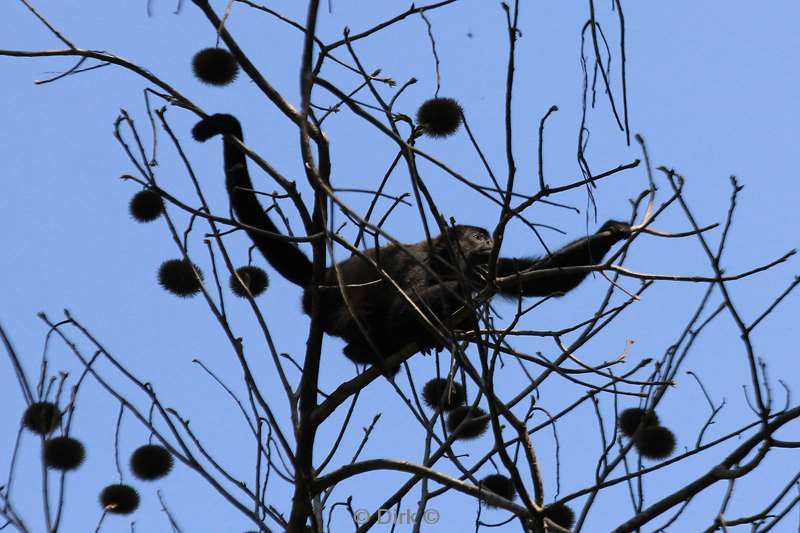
{"x": 712, "y": 88}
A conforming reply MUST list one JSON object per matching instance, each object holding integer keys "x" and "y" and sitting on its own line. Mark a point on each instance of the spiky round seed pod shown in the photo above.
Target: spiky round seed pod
{"x": 439, "y": 116}
{"x": 438, "y": 393}
{"x": 500, "y": 485}
{"x": 177, "y": 276}
{"x": 146, "y": 206}
{"x": 560, "y": 514}
{"x": 630, "y": 420}
{"x": 63, "y": 453}
{"x": 42, "y": 417}
{"x": 119, "y": 499}
{"x": 254, "y": 278}
{"x": 215, "y": 66}
{"x": 150, "y": 462}
{"x": 472, "y": 428}
{"x": 655, "y": 442}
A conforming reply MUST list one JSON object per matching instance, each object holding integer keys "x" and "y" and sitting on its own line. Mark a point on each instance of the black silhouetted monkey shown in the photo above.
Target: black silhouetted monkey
{"x": 387, "y": 318}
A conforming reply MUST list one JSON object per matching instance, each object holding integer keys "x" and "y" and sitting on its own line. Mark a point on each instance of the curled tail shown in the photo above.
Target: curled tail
{"x": 285, "y": 257}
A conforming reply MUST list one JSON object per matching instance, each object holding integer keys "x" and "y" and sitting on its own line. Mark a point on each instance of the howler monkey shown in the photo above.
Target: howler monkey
{"x": 433, "y": 277}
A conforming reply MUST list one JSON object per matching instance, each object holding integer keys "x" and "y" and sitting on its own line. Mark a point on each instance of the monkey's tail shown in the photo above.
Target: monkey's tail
{"x": 285, "y": 257}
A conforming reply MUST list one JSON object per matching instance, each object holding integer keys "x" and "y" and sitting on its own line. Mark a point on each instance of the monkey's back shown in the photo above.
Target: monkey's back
{"x": 370, "y": 296}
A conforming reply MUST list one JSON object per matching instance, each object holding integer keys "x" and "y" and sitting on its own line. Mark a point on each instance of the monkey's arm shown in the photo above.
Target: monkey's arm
{"x": 286, "y": 258}
{"x": 582, "y": 252}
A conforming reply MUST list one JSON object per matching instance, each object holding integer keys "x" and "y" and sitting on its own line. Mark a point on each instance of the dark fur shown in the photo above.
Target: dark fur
{"x": 458, "y": 256}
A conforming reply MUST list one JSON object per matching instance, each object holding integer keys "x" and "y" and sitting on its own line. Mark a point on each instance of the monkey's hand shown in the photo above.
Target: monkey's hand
{"x": 616, "y": 227}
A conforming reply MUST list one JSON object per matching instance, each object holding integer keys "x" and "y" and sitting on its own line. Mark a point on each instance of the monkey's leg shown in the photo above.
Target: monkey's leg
{"x": 362, "y": 344}
{"x": 438, "y": 303}
{"x": 360, "y": 352}
{"x": 402, "y": 326}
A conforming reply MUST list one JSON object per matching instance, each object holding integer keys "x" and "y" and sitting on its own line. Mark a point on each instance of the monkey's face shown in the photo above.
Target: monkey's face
{"x": 466, "y": 249}
{"x": 476, "y": 244}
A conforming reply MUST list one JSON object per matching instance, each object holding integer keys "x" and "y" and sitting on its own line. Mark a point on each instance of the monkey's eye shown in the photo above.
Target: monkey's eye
{"x": 477, "y": 236}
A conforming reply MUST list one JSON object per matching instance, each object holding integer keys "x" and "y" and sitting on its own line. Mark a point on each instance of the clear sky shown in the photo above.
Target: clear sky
{"x": 712, "y": 88}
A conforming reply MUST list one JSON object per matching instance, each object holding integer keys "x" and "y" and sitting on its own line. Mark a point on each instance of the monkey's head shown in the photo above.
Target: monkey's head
{"x": 472, "y": 246}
